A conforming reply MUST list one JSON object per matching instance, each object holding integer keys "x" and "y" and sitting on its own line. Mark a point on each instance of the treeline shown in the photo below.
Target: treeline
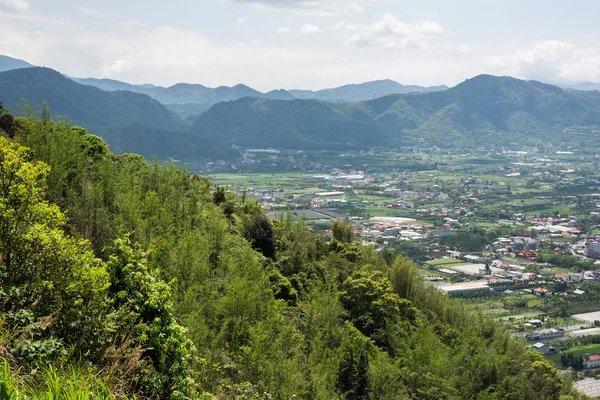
{"x": 568, "y": 360}
{"x": 567, "y": 261}
{"x": 142, "y": 280}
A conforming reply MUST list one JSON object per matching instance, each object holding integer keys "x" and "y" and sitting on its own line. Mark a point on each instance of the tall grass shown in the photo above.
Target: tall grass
{"x": 48, "y": 383}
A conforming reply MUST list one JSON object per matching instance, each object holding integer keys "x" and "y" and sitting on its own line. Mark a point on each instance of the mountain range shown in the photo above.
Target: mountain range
{"x": 7, "y": 63}
{"x": 482, "y": 111}
{"x": 128, "y": 121}
{"x": 188, "y": 99}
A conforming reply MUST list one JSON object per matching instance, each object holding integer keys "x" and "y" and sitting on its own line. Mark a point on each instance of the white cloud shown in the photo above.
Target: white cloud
{"x": 308, "y": 7}
{"x": 92, "y": 12}
{"x": 551, "y": 60}
{"x": 284, "y": 29}
{"x": 14, "y": 5}
{"x": 242, "y": 20}
{"x": 308, "y": 29}
{"x": 389, "y": 32}
{"x": 116, "y": 67}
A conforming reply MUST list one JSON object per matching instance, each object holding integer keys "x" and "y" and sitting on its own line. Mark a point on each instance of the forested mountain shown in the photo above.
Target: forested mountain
{"x": 480, "y": 111}
{"x": 129, "y": 122}
{"x": 7, "y": 63}
{"x": 185, "y": 98}
{"x": 297, "y": 124}
{"x": 363, "y": 91}
{"x": 111, "y": 85}
{"x": 85, "y": 105}
{"x": 125, "y": 279}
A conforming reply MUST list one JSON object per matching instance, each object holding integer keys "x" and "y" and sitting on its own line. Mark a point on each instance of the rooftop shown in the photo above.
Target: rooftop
{"x": 589, "y": 387}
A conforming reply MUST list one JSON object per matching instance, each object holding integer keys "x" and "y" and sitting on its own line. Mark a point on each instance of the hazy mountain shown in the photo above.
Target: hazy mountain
{"x": 188, "y": 99}
{"x": 480, "y": 111}
{"x": 128, "y": 121}
{"x": 586, "y": 86}
{"x": 7, "y": 63}
{"x": 279, "y": 95}
{"x": 296, "y": 124}
{"x": 111, "y": 85}
{"x": 363, "y": 91}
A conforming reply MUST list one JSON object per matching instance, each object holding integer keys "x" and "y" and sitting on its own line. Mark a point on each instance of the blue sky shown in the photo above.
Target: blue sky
{"x": 306, "y": 44}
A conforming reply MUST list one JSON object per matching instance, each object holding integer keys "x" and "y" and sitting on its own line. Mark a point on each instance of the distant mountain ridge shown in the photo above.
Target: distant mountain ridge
{"x": 9, "y": 63}
{"x": 482, "y": 111}
{"x": 130, "y": 122}
{"x": 189, "y": 99}
{"x": 586, "y": 86}
{"x": 363, "y": 91}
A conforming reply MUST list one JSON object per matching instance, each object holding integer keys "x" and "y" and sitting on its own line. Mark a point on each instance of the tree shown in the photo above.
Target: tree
{"x": 145, "y": 331}
{"x": 353, "y": 379}
{"x": 22, "y": 208}
{"x": 259, "y": 231}
{"x": 8, "y": 123}
{"x": 53, "y": 277}
{"x": 342, "y": 232}
{"x": 372, "y": 305}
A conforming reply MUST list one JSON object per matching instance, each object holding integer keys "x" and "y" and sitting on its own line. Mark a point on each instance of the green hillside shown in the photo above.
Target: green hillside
{"x": 85, "y": 105}
{"x": 125, "y": 279}
{"x": 297, "y": 124}
{"x": 482, "y": 111}
{"x": 129, "y": 122}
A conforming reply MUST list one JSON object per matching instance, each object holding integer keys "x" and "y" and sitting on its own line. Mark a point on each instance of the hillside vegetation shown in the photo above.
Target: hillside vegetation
{"x": 121, "y": 278}
{"x": 480, "y": 112}
{"x": 127, "y": 121}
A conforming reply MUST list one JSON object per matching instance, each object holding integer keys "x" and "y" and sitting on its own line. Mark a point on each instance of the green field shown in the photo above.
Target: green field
{"x": 577, "y": 351}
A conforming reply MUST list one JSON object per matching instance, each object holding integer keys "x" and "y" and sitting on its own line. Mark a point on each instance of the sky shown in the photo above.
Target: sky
{"x": 306, "y": 44}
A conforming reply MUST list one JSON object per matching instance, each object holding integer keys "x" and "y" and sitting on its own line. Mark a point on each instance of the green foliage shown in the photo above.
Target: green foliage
{"x": 342, "y": 232}
{"x": 143, "y": 321}
{"x": 372, "y": 305}
{"x": 311, "y": 320}
{"x": 48, "y": 383}
{"x": 259, "y": 231}
{"x": 353, "y": 380}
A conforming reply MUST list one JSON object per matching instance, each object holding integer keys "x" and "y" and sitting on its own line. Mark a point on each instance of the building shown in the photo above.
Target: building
{"x": 535, "y": 322}
{"x": 542, "y": 348}
{"x": 589, "y": 386}
{"x": 545, "y": 334}
{"x": 593, "y": 250}
{"x": 592, "y": 361}
{"x": 589, "y": 318}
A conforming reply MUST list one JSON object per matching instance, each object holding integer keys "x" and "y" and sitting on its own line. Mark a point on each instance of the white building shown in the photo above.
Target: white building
{"x": 592, "y": 361}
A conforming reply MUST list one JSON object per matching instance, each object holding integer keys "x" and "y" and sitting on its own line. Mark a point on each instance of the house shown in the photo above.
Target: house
{"x": 542, "y": 348}
{"x": 592, "y": 361}
{"x": 542, "y": 292}
{"x": 545, "y": 334}
{"x": 535, "y": 322}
